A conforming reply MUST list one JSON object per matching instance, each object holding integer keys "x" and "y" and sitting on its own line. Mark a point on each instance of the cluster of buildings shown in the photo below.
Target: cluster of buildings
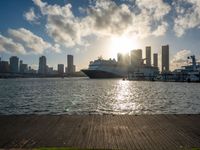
{"x": 136, "y": 60}
{"x": 16, "y": 66}
{"x": 44, "y": 69}
{"x": 140, "y": 67}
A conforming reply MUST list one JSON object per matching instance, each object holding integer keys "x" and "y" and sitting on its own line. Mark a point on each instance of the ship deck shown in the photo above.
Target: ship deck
{"x": 101, "y": 131}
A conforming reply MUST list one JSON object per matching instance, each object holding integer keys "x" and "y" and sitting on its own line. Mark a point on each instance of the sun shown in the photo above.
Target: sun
{"x": 122, "y": 44}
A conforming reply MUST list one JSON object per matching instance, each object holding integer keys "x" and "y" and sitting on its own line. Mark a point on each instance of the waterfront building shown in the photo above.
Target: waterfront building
{"x": 31, "y": 71}
{"x": 66, "y": 70}
{"x": 50, "y": 71}
{"x": 42, "y": 65}
{"x": 155, "y": 60}
{"x": 74, "y": 68}
{"x": 123, "y": 59}
{"x": 165, "y": 58}
{"x": 23, "y": 68}
{"x": 136, "y": 57}
{"x": 148, "y": 55}
{"x": 14, "y": 64}
{"x": 60, "y": 68}
{"x": 70, "y": 64}
{"x": 4, "y": 67}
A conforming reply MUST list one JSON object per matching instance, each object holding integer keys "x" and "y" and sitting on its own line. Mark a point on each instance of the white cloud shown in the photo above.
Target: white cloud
{"x": 8, "y": 45}
{"x": 104, "y": 18}
{"x": 30, "y": 41}
{"x": 180, "y": 59}
{"x": 188, "y": 15}
{"x": 39, "y": 3}
{"x": 31, "y": 16}
{"x": 161, "y": 29}
{"x": 25, "y": 42}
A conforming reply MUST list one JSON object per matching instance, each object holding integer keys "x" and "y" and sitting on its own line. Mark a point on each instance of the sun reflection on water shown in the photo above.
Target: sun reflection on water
{"x": 123, "y": 94}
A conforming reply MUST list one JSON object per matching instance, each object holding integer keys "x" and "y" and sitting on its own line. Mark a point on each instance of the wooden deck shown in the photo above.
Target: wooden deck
{"x": 101, "y": 131}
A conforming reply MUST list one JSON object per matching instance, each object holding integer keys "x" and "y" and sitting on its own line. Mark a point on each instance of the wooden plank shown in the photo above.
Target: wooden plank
{"x": 101, "y": 131}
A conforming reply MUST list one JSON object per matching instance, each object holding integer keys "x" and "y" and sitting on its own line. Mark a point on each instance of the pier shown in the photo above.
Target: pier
{"x": 101, "y": 131}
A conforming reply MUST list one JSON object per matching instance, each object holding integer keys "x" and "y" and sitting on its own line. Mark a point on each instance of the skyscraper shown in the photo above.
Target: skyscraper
{"x": 60, "y": 68}
{"x": 165, "y": 58}
{"x": 14, "y": 64}
{"x": 70, "y": 64}
{"x": 120, "y": 58}
{"x": 148, "y": 55}
{"x": 155, "y": 60}
{"x": 123, "y": 59}
{"x": 136, "y": 57}
{"x": 4, "y": 67}
{"x": 42, "y": 65}
{"x": 23, "y": 68}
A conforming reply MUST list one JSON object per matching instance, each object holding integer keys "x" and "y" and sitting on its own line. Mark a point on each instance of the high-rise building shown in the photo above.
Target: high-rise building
{"x": 60, "y": 68}
{"x": 42, "y": 65}
{"x": 70, "y": 64}
{"x": 123, "y": 59}
{"x": 74, "y": 68}
{"x": 165, "y": 58}
{"x": 23, "y": 68}
{"x": 4, "y": 67}
{"x": 155, "y": 60}
{"x": 20, "y": 66}
{"x": 136, "y": 57}
{"x": 14, "y": 64}
{"x": 50, "y": 70}
{"x": 120, "y": 58}
{"x": 148, "y": 55}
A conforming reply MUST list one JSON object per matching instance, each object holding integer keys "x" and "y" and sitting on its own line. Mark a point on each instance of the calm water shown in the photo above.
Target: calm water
{"x": 83, "y": 96}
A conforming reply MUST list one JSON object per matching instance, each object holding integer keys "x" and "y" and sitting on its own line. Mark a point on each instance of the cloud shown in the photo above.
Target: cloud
{"x": 31, "y": 17}
{"x": 25, "y": 42}
{"x": 30, "y": 41}
{"x": 188, "y": 15}
{"x": 104, "y": 18}
{"x": 180, "y": 59}
{"x": 8, "y": 45}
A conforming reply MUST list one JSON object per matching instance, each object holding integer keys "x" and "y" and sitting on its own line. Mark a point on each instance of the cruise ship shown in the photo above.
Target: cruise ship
{"x": 101, "y": 68}
{"x": 189, "y": 73}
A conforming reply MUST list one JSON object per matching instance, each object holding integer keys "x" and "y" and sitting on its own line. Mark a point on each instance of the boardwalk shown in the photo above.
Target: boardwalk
{"x": 101, "y": 131}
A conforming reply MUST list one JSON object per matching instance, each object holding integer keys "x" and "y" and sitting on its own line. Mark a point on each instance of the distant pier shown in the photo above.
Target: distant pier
{"x": 170, "y": 132}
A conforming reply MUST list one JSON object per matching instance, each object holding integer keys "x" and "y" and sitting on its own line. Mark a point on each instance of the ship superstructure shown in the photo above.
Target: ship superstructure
{"x": 189, "y": 72}
{"x": 101, "y": 68}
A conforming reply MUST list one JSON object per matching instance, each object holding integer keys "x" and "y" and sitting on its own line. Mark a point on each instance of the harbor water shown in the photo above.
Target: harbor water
{"x": 97, "y": 96}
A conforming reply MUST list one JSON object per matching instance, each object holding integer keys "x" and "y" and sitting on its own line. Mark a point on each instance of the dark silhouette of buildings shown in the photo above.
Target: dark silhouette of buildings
{"x": 4, "y": 67}
{"x": 23, "y": 68}
{"x": 71, "y": 68}
{"x": 42, "y": 65}
{"x": 155, "y": 60}
{"x": 123, "y": 59}
{"x": 61, "y": 68}
{"x": 148, "y": 55}
{"x": 165, "y": 58}
{"x": 14, "y": 64}
{"x": 136, "y": 57}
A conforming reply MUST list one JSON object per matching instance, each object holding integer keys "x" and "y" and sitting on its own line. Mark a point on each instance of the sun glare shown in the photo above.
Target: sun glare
{"x": 122, "y": 44}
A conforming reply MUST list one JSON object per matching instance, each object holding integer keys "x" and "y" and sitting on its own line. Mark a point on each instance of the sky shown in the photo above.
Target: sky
{"x": 88, "y": 29}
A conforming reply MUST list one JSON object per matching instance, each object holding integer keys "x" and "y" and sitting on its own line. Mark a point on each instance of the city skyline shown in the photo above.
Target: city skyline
{"x": 15, "y": 65}
{"x": 87, "y": 33}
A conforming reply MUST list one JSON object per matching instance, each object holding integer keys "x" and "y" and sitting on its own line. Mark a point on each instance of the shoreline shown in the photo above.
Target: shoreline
{"x": 164, "y": 131}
